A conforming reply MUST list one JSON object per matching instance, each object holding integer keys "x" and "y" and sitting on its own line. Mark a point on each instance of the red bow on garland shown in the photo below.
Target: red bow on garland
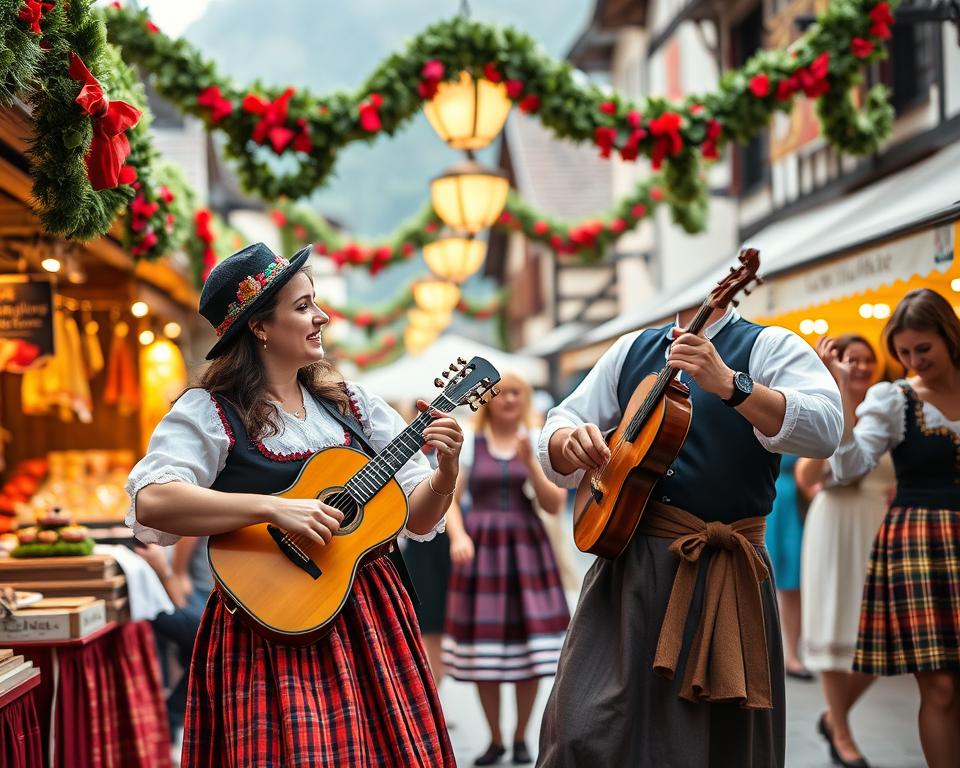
{"x": 110, "y": 147}
{"x": 204, "y": 232}
{"x": 273, "y": 116}
{"x": 211, "y": 98}
{"x": 32, "y": 12}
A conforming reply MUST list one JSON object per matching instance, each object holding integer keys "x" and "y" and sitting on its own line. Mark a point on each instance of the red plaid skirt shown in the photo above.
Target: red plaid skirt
{"x": 362, "y": 696}
{"x": 910, "y": 617}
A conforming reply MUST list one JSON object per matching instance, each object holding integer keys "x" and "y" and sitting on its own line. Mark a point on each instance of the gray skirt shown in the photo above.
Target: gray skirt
{"x": 609, "y": 708}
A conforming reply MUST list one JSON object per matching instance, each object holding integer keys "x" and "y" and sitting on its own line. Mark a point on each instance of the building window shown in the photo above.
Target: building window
{"x": 908, "y": 70}
{"x": 752, "y": 160}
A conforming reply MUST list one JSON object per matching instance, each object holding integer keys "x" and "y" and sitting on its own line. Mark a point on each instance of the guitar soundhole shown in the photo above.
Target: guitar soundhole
{"x": 340, "y": 498}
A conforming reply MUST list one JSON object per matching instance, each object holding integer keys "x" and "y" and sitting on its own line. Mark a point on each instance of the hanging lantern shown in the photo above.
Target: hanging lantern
{"x": 436, "y": 296}
{"x": 455, "y": 258}
{"x": 416, "y": 340}
{"x": 468, "y": 114}
{"x": 469, "y": 197}
{"x": 422, "y": 318}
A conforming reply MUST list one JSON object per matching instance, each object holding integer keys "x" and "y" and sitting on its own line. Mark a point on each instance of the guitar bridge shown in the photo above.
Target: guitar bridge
{"x": 293, "y": 552}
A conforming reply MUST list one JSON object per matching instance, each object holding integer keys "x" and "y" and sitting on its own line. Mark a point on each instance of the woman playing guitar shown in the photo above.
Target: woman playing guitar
{"x": 362, "y": 695}
{"x": 673, "y": 656}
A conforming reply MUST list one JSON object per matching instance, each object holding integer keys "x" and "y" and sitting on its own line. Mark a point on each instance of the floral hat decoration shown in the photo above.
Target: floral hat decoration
{"x": 241, "y": 283}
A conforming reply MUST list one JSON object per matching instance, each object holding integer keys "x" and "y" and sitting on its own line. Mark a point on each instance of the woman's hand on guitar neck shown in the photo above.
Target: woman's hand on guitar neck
{"x": 697, "y": 357}
{"x": 306, "y": 517}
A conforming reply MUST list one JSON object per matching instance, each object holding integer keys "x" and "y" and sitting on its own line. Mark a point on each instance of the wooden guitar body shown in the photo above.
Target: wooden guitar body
{"x": 291, "y": 590}
{"x": 610, "y": 501}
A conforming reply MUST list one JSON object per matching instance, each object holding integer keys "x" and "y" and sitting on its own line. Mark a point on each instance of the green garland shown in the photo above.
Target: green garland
{"x": 19, "y": 52}
{"x": 66, "y": 203}
{"x": 588, "y": 239}
{"x": 385, "y": 349}
{"x": 826, "y": 63}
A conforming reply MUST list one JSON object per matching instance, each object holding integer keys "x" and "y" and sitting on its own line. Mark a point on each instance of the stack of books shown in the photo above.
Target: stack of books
{"x": 13, "y": 670}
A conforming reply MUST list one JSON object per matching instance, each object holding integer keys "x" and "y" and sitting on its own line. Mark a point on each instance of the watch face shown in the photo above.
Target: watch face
{"x": 743, "y": 382}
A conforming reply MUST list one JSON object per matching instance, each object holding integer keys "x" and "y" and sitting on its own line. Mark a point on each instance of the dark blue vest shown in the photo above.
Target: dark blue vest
{"x": 722, "y": 472}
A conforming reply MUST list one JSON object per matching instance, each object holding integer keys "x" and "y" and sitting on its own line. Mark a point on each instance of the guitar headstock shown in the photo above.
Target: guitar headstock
{"x": 738, "y": 280}
{"x": 468, "y": 382}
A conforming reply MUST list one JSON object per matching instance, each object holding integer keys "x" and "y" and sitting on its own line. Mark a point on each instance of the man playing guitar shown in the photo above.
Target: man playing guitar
{"x": 674, "y": 654}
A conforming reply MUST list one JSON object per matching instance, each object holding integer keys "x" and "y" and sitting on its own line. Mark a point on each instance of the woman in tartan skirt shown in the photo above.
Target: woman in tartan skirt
{"x": 362, "y": 695}
{"x": 910, "y": 618}
{"x": 506, "y": 609}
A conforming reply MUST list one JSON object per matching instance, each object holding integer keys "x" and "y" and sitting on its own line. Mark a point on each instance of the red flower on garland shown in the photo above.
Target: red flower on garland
{"x": 656, "y": 194}
{"x": 618, "y": 225}
{"x": 141, "y": 212}
{"x": 151, "y": 27}
{"x": 709, "y": 148}
{"x": 861, "y": 48}
{"x": 491, "y": 73}
{"x": 165, "y": 194}
{"x": 667, "y": 130}
{"x": 381, "y": 257}
{"x": 787, "y": 87}
{"x": 299, "y": 231}
{"x": 605, "y": 138}
{"x": 407, "y": 249}
{"x": 301, "y": 142}
{"x": 638, "y": 211}
{"x": 608, "y": 108}
{"x": 273, "y": 115}
{"x": 813, "y": 79}
{"x": 556, "y": 242}
{"x": 110, "y": 147}
{"x": 211, "y": 98}
{"x": 278, "y": 217}
{"x": 201, "y": 227}
{"x": 32, "y": 12}
{"x": 882, "y": 21}
{"x": 363, "y": 319}
{"x": 631, "y": 150}
{"x": 514, "y": 89}
{"x": 370, "y": 113}
{"x": 541, "y": 228}
{"x": 760, "y": 86}
{"x": 634, "y": 118}
{"x": 431, "y": 227}
{"x": 530, "y": 103}
{"x": 432, "y": 73}
{"x": 147, "y": 242}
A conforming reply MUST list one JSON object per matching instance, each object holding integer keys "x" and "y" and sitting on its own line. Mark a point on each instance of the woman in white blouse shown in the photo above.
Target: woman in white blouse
{"x": 910, "y": 617}
{"x": 363, "y": 694}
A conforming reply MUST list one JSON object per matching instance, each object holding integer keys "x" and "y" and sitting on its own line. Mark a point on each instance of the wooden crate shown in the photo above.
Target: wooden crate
{"x": 14, "y": 570}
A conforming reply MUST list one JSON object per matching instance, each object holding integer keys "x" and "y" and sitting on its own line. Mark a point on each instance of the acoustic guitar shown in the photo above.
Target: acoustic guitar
{"x": 288, "y": 588}
{"x": 611, "y": 500}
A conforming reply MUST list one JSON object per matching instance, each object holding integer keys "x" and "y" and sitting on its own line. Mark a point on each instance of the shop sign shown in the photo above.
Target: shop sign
{"x": 918, "y": 254}
{"x": 26, "y": 320}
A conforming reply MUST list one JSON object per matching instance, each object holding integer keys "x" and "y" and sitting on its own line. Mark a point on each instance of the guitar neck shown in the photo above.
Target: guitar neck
{"x": 364, "y": 485}
{"x": 665, "y": 376}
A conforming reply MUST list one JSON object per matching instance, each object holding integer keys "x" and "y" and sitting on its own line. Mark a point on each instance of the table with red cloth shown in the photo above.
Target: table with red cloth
{"x": 100, "y": 699}
{"x": 20, "y": 743}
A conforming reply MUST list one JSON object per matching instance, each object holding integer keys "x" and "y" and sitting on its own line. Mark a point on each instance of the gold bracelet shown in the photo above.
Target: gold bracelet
{"x": 430, "y": 483}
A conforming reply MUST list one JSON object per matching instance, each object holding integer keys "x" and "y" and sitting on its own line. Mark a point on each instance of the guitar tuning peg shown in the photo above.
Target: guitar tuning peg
{"x": 746, "y": 291}
{"x": 736, "y": 303}
{"x": 732, "y": 270}
{"x": 461, "y": 361}
{"x": 438, "y": 382}
{"x": 495, "y": 391}
{"x": 446, "y": 374}
{"x": 759, "y": 280}
{"x": 453, "y": 367}
{"x": 474, "y": 407}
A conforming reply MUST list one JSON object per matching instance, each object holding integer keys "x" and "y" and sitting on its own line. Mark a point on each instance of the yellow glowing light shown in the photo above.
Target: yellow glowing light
{"x": 416, "y": 340}
{"x": 881, "y": 311}
{"x": 436, "y": 295}
{"x": 955, "y": 284}
{"x": 806, "y": 327}
{"x": 866, "y": 311}
{"x": 159, "y": 352}
{"x": 454, "y": 258}
{"x": 121, "y": 329}
{"x": 172, "y": 330}
{"x": 92, "y": 327}
{"x": 421, "y": 318}
{"x": 469, "y": 197}
{"x": 468, "y": 113}
{"x": 139, "y": 309}
{"x": 51, "y": 264}
{"x": 147, "y": 337}
{"x": 820, "y": 326}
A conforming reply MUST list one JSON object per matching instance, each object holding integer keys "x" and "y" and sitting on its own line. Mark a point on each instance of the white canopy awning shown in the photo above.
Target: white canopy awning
{"x": 926, "y": 193}
{"x": 412, "y": 377}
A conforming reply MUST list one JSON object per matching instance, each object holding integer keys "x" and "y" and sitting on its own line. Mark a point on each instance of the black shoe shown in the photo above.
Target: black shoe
{"x": 521, "y": 755}
{"x": 803, "y": 674}
{"x": 492, "y": 755}
{"x": 860, "y": 762}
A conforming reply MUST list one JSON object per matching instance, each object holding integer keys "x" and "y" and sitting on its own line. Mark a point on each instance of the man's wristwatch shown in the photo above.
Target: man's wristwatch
{"x": 742, "y": 387}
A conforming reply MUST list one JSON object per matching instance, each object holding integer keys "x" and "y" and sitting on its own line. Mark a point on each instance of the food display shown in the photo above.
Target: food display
{"x": 55, "y": 535}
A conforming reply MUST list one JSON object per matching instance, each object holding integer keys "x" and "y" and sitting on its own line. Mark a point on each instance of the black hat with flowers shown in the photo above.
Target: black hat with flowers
{"x": 239, "y": 285}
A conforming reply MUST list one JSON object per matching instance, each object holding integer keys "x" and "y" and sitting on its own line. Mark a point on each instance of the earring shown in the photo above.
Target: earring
{"x": 264, "y": 343}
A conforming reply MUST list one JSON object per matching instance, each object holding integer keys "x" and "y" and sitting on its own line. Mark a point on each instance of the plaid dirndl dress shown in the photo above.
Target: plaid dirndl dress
{"x": 361, "y": 696}
{"x": 910, "y": 616}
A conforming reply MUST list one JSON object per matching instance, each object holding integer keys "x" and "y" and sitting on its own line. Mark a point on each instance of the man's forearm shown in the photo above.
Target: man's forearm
{"x": 765, "y": 409}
